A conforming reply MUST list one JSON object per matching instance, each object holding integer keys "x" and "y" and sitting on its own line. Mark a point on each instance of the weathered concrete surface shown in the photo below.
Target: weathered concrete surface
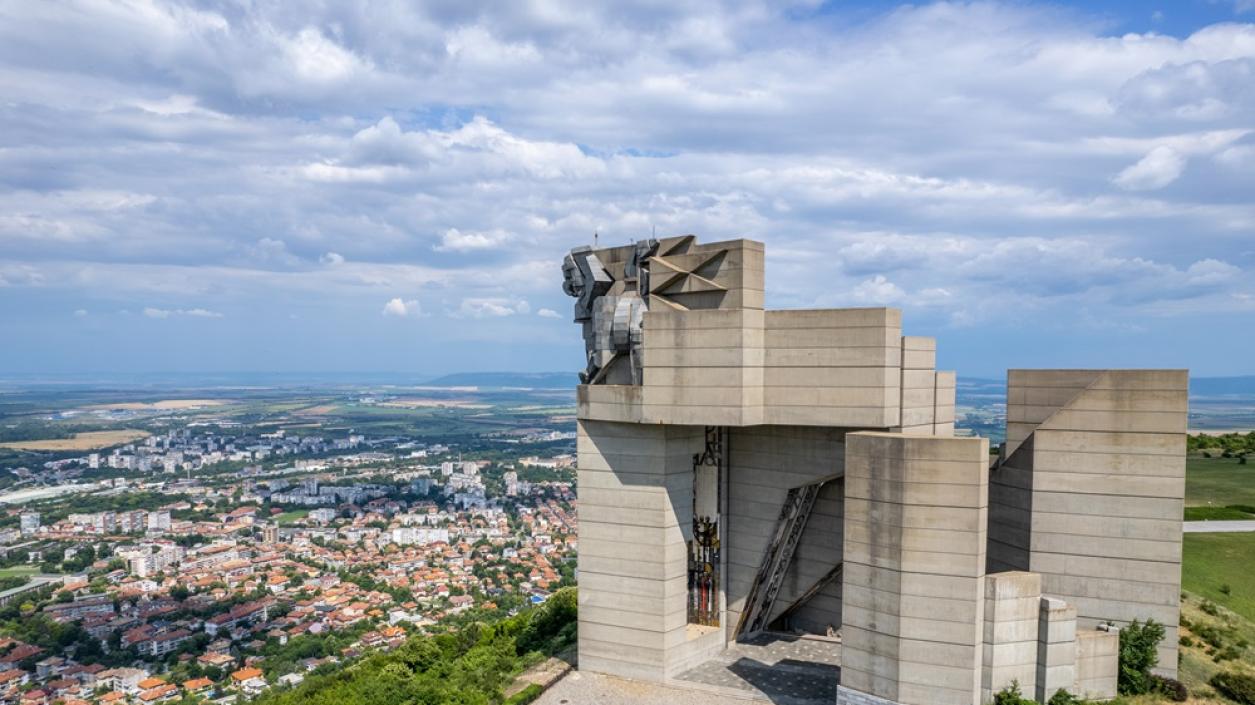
{"x": 1056, "y": 648}
{"x": 1097, "y": 664}
{"x": 1012, "y": 613}
{"x": 1092, "y": 496}
{"x": 913, "y": 584}
{"x": 778, "y": 666}
{"x": 636, "y": 499}
{"x": 764, "y": 462}
{"x": 588, "y": 688}
{"x": 744, "y": 367}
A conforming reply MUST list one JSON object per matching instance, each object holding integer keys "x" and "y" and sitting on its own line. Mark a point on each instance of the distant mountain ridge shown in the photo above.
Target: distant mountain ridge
{"x": 532, "y": 380}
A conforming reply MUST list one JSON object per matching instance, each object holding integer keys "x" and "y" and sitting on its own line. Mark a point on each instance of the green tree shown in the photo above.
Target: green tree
{"x": 1138, "y": 654}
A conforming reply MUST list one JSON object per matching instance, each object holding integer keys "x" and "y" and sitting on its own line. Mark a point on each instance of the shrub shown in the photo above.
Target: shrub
{"x": 1226, "y": 590}
{"x": 1171, "y": 688}
{"x": 1239, "y": 687}
{"x": 1228, "y": 653}
{"x": 1209, "y": 634}
{"x": 1210, "y": 608}
{"x": 1185, "y": 641}
{"x": 1138, "y": 643}
{"x": 1063, "y": 697}
{"x": 1011, "y": 695}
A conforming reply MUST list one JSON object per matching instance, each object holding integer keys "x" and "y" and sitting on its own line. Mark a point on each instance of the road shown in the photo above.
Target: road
{"x": 1211, "y": 527}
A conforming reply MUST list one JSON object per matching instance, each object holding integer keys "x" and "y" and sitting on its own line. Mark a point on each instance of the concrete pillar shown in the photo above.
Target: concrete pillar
{"x": 913, "y": 583}
{"x": 636, "y": 503}
{"x": 1097, "y": 663}
{"x": 1056, "y": 648}
{"x": 943, "y": 404}
{"x": 1012, "y": 611}
{"x": 919, "y": 386}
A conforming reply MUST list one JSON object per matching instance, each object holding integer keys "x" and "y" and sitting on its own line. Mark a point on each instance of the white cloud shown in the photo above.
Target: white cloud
{"x": 272, "y": 251}
{"x": 402, "y": 308}
{"x": 162, "y": 313}
{"x": 1237, "y": 156}
{"x": 313, "y": 57}
{"x": 548, "y": 313}
{"x": 1211, "y": 272}
{"x": 332, "y": 259}
{"x": 1160, "y": 167}
{"x": 338, "y": 174}
{"x": 80, "y": 313}
{"x": 491, "y": 307}
{"x": 878, "y": 290}
{"x": 454, "y": 240}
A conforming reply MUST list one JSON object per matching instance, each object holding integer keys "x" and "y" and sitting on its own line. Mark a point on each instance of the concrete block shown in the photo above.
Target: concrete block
{"x": 1097, "y": 664}
{"x": 1012, "y": 608}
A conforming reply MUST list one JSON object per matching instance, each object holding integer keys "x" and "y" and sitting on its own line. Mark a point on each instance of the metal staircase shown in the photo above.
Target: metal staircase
{"x": 831, "y": 577}
{"x": 778, "y": 557}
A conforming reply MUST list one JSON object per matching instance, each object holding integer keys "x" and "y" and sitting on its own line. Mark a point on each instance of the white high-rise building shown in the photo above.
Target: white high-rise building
{"x": 159, "y": 522}
{"x": 29, "y": 523}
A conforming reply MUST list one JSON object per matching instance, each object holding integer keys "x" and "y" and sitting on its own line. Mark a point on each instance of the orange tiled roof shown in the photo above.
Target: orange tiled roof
{"x": 245, "y": 674}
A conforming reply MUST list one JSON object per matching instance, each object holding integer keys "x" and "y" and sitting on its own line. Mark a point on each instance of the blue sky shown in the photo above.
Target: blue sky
{"x": 390, "y": 186}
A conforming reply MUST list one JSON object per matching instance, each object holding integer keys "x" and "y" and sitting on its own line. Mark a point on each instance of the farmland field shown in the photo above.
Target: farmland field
{"x": 88, "y": 440}
{"x": 163, "y": 405}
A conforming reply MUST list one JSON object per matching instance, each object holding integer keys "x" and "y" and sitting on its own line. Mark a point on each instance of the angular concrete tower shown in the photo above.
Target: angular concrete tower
{"x": 743, "y": 471}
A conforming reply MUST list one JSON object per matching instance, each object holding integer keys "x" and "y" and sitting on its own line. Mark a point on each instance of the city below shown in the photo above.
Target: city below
{"x": 154, "y": 549}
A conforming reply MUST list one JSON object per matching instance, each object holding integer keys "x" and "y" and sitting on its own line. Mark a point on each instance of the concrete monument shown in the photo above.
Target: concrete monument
{"x": 744, "y": 470}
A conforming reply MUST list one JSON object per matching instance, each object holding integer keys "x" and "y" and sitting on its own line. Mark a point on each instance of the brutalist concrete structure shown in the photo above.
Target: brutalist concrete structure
{"x": 744, "y": 470}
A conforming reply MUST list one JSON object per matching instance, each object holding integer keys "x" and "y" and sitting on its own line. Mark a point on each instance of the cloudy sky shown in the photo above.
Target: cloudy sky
{"x": 390, "y": 186}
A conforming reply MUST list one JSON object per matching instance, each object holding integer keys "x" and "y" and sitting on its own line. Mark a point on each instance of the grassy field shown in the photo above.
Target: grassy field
{"x": 19, "y": 571}
{"x": 1218, "y": 482}
{"x": 1218, "y": 514}
{"x": 88, "y": 440}
{"x": 1214, "y": 561}
{"x": 288, "y": 518}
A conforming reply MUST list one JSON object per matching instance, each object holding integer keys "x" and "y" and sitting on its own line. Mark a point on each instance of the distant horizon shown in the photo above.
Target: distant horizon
{"x": 364, "y": 376}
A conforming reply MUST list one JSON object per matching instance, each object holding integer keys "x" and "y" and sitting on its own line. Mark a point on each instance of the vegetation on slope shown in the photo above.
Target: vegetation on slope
{"x": 470, "y": 667}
